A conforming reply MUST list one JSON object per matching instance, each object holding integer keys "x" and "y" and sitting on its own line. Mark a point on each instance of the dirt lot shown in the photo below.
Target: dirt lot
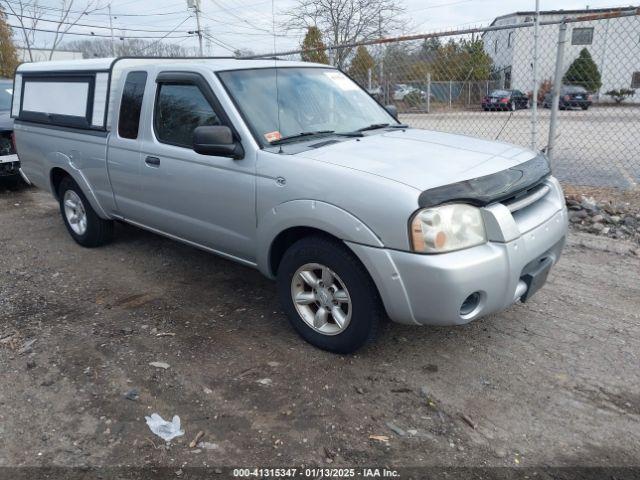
{"x": 553, "y": 382}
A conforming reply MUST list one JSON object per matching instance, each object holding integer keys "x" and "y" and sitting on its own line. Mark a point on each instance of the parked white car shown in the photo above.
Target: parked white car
{"x": 402, "y": 90}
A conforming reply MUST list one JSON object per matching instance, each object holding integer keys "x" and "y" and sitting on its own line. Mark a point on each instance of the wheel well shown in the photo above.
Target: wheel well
{"x": 287, "y": 238}
{"x": 57, "y": 174}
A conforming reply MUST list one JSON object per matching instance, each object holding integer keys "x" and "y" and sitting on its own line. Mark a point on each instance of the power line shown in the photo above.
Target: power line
{"x": 57, "y": 9}
{"x": 88, "y": 25}
{"x": 90, "y": 34}
{"x": 215, "y": 2}
{"x": 162, "y": 38}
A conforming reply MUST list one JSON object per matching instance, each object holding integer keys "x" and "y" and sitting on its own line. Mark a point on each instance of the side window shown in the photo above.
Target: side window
{"x": 180, "y": 108}
{"x": 131, "y": 105}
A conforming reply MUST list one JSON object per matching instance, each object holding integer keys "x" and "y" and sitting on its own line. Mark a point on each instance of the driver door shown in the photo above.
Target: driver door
{"x": 207, "y": 200}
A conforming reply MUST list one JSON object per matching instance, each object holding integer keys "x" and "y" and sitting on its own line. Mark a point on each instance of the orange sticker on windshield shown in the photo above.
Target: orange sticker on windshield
{"x": 272, "y": 136}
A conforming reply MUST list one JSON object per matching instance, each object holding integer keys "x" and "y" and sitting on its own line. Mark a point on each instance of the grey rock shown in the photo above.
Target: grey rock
{"x": 499, "y": 452}
{"x": 396, "y": 429}
{"x": 588, "y": 203}
{"x": 425, "y": 393}
{"x": 132, "y": 395}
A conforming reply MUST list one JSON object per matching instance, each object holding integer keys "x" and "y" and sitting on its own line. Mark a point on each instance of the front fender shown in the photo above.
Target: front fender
{"x": 314, "y": 214}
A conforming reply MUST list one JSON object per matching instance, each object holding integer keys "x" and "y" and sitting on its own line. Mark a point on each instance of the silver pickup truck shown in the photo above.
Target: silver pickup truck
{"x": 293, "y": 169}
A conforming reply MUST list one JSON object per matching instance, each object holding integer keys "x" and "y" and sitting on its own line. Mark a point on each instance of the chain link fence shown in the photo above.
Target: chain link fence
{"x": 583, "y": 109}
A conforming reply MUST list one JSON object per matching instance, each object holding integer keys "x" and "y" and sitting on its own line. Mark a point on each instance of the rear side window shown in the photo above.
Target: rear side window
{"x": 131, "y": 105}
{"x": 180, "y": 109}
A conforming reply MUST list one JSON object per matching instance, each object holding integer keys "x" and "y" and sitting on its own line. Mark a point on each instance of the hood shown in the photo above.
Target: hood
{"x": 6, "y": 122}
{"x": 422, "y": 159}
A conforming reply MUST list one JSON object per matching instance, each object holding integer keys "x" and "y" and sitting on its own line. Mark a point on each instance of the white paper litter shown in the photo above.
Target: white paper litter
{"x": 165, "y": 430}
{"x": 159, "y": 365}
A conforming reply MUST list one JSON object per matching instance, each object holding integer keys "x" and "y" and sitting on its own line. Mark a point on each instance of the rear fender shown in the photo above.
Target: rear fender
{"x": 65, "y": 163}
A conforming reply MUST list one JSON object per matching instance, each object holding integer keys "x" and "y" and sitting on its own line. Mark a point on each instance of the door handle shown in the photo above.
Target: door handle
{"x": 152, "y": 161}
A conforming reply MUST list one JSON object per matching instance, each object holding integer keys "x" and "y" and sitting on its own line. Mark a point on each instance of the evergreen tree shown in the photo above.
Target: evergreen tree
{"x": 314, "y": 48}
{"x": 361, "y": 64}
{"x": 584, "y": 71}
{"x": 8, "y": 55}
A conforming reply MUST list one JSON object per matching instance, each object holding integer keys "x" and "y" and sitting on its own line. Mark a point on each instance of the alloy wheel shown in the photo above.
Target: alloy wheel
{"x": 321, "y": 298}
{"x": 74, "y": 212}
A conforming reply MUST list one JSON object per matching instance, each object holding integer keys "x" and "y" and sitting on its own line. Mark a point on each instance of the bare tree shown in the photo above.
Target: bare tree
{"x": 30, "y": 13}
{"x": 101, "y": 48}
{"x": 68, "y": 19}
{"x": 345, "y": 21}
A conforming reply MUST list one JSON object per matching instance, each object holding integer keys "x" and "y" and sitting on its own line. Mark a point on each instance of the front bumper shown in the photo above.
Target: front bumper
{"x": 431, "y": 289}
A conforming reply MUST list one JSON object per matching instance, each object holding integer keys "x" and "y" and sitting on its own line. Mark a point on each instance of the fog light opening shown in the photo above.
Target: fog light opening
{"x": 470, "y": 304}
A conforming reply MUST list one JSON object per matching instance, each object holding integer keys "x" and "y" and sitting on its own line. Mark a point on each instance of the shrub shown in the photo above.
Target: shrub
{"x": 584, "y": 71}
{"x": 620, "y": 94}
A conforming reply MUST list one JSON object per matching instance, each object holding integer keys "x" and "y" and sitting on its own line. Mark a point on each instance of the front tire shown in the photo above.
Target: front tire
{"x": 82, "y": 222}
{"x": 328, "y": 296}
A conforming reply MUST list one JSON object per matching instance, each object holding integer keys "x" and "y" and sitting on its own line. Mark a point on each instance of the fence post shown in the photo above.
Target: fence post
{"x": 534, "y": 93}
{"x": 450, "y": 93}
{"x": 557, "y": 85}
{"x": 369, "y": 79}
{"x": 429, "y": 92}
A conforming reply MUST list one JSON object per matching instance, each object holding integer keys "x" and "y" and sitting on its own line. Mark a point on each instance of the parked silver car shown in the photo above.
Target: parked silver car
{"x": 356, "y": 215}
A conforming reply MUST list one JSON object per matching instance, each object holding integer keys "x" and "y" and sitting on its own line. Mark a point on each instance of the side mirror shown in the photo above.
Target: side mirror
{"x": 216, "y": 141}
{"x": 392, "y": 110}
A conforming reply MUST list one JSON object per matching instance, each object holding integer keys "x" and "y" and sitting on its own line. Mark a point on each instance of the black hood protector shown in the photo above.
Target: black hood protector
{"x": 497, "y": 187}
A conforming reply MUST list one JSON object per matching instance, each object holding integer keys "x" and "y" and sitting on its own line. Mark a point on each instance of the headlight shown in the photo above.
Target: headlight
{"x": 447, "y": 228}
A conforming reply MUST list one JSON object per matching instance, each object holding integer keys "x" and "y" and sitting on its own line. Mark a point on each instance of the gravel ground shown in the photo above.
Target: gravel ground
{"x": 554, "y": 382}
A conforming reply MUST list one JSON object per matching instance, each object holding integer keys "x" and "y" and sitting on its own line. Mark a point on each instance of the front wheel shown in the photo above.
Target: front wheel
{"x": 585, "y": 107}
{"x": 328, "y": 295}
{"x": 82, "y": 222}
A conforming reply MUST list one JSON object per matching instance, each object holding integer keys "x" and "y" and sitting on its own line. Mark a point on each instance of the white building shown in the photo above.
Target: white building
{"x": 613, "y": 43}
{"x": 42, "y": 54}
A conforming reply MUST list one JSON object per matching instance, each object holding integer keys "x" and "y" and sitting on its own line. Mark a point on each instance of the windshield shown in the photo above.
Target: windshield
{"x": 500, "y": 93}
{"x": 6, "y": 91}
{"x": 309, "y": 99}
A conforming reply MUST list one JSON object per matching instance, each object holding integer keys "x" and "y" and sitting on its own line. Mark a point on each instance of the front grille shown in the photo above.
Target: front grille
{"x": 528, "y": 198}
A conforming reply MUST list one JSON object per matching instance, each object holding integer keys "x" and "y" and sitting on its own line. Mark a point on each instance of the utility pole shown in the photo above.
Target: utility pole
{"x": 113, "y": 48}
{"x": 195, "y": 4}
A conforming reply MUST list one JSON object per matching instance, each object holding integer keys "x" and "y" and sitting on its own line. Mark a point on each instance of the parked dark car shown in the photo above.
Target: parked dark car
{"x": 571, "y": 96}
{"x": 9, "y": 165}
{"x": 505, "y": 100}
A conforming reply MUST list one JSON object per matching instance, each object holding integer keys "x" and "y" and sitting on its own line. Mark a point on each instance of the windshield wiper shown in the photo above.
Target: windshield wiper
{"x": 373, "y": 126}
{"x": 299, "y": 135}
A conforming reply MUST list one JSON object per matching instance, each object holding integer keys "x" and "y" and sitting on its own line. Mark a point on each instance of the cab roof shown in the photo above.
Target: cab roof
{"x": 106, "y": 64}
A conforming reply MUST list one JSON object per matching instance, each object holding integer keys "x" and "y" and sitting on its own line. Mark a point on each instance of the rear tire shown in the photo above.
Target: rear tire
{"x": 82, "y": 222}
{"x": 300, "y": 276}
